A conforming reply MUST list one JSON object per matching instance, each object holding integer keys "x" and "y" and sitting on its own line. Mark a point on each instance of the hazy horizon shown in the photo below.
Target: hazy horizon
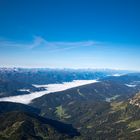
{"x": 67, "y": 68}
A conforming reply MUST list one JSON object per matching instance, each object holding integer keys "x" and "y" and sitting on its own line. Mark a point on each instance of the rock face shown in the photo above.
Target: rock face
{"x": 135, "y": 100}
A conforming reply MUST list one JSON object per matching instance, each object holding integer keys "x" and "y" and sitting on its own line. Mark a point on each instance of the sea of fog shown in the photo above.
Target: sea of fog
{"x": 50, "y": 88}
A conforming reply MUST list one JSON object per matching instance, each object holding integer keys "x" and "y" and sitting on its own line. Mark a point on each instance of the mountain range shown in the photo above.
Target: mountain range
{"x": 106, "y": 110}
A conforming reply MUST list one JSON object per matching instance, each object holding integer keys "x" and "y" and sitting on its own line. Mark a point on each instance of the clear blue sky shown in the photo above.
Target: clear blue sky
{"x": 70, "y": 33}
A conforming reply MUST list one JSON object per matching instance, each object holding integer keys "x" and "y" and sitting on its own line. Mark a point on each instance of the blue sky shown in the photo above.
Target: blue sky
{"x": 70, "y": 33}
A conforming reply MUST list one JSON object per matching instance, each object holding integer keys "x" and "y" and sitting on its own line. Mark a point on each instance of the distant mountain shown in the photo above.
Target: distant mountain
{"x": 130, "y": 78}
{"x": 14, "y": 87}
{"x": 18, "y": 81}
{"x": 47, "y": 76}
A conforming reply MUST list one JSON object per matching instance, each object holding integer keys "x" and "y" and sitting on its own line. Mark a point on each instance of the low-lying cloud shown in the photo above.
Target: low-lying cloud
{"x": 50, "y": 88}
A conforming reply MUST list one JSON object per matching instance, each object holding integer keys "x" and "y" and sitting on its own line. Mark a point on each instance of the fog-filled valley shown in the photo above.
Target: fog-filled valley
{"x": 106, "y": 105}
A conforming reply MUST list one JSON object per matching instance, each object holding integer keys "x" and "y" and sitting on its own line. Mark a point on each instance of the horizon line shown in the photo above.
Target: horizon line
{"x": 69, "y": 68}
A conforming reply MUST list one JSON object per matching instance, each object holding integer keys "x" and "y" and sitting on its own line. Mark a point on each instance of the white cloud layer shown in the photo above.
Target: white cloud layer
{"x": 129, "y": 85}
{"x": 50, "y": 88}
